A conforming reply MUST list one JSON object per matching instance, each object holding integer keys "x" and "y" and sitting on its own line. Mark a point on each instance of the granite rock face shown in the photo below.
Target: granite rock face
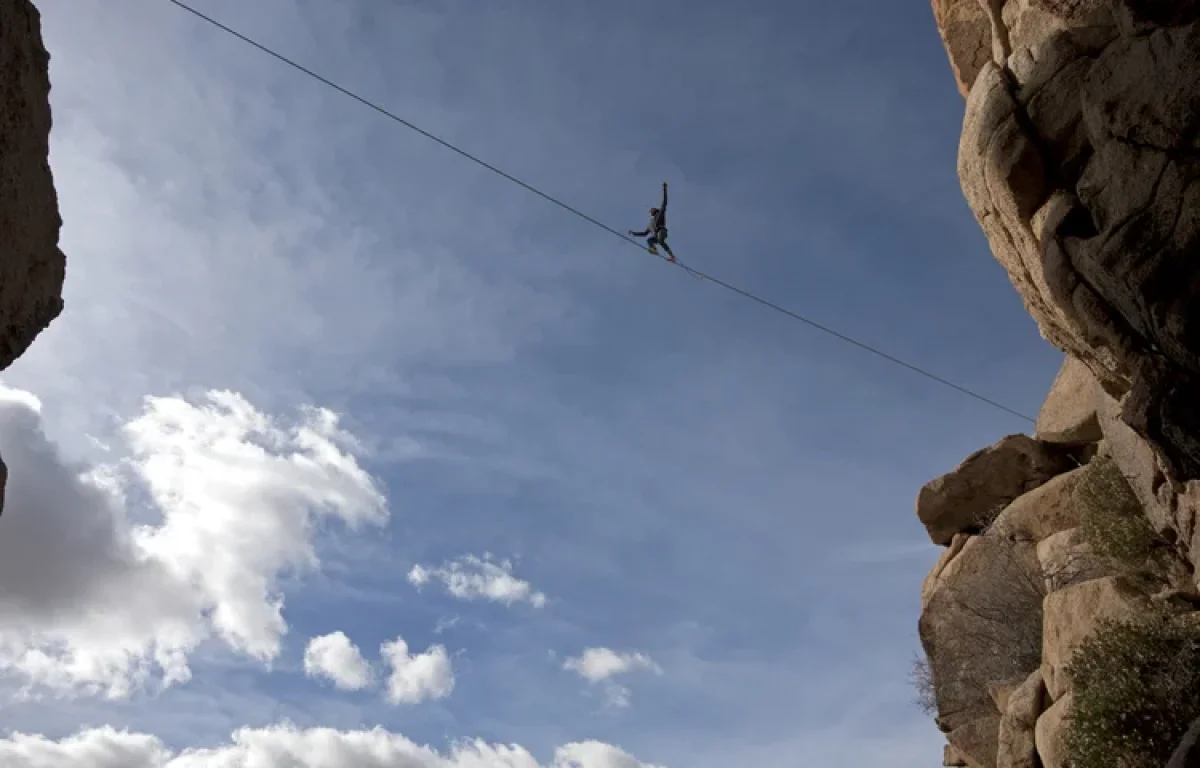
{"x": 1080, "y": 159}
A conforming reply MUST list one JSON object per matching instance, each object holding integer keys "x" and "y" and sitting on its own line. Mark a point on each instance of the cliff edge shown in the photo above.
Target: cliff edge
{"x": 32, "y": 267}
{"x": 1060, "y": 625}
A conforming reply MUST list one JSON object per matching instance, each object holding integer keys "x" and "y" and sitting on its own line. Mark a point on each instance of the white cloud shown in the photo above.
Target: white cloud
{"x": 112, "y": 576}
{"x": 595, "y": 754}
{"x": 286, "y": 746}
{"x": 417, "y": 677}
{"x": 474, "y": 578}
{"x": 600, "y": 665}
{"x": 597, "y": 664}
{"x": 334, "y": 657}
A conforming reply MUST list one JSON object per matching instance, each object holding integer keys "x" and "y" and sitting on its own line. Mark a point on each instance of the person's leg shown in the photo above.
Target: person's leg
{"x": 650, "y": 241}
{"x": 667, "y": 248}
{"x": 662, "y": 240}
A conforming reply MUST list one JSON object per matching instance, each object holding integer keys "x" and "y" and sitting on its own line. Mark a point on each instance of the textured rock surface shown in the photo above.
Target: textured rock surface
{"x": 1071, "y": 614}
{"x": 1079, "y": 156}
{"x": 1067, "y": 559}
{"x": 982, "y": 625}
{"x": 951, "y": 758}
{"x": 1068, "y": 415}
{"x": 968, "y": 499}
{"x": 1016, "y": 746}
{"x": 31, "y": 265}
{"x": 977, "y": 741}
{"x": 966, "y": 33}
{"x": 948, "y": 554}
{"x": 1044, "y": 511}
{"x": 1050, "y": 734}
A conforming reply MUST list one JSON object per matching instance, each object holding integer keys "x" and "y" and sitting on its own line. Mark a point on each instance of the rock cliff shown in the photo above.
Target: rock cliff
{"x": 1080, "y": 158}
{"x": 32, "y": 267}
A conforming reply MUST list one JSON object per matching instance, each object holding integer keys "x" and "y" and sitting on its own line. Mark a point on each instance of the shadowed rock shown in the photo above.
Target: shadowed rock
{"x": 32, "y": 267}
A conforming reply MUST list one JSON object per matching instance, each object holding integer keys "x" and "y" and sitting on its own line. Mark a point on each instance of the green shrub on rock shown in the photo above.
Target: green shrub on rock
{"x": 1113, "y": 521}
{"x": 1136, "y": 687}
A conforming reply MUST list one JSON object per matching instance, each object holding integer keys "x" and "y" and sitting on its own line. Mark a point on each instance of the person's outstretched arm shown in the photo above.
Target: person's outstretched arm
{"x": 643, "y": 233}
{"x": 663, "y": 207}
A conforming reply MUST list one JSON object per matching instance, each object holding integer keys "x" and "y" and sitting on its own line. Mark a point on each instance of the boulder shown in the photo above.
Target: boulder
{"x": 951, "y": 757}
{"x": 977, "y": 741}
{"x": 32, "y": 267}
{"x": 1066, "y": 559}
{"x": 1002, "y": 691}
{"x": 1071, "y": 614}
{"x": 1044, "y": 511}
{"x": 966, "y": 33}
{"x": 968, "y": 499}
{"x": 1137, "y": 460}
{"x": 1017, "y": 744}
{"x": 982, "y": 625}
{"x": 1050, "y": 734}
{"x": 1068, "y": 415}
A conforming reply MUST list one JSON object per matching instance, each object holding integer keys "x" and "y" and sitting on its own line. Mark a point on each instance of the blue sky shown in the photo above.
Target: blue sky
{"x": 682, "y": 473}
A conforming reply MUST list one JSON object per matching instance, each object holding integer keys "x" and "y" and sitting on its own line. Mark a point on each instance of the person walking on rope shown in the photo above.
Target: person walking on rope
{"x": 657, "y": 229}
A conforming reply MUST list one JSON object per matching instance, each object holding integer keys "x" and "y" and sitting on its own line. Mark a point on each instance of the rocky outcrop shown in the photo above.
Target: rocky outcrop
{"x": 966, "y": 33}
{"x": 1050, "y": 734}
{"x": 1080, "y": 158}
{"x": 1015, "y": 594}
{"x": 1071, "y": 614}
{"x": 969, "y": 498}
{"x": 1069, "y": 414}
{"x": 1067, "y": 558}
{"x": 981, "y": 627}
{"x": 32, "y": 267}
{"x": 977, "y": 741}
{"x": 1017, "y": 746}
{"x": 1044, "y": 511}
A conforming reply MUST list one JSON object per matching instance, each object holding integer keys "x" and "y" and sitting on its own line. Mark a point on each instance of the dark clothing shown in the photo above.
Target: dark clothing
{"x": 659, "y": 238}
{"x": 658, "y": 221}
{"x": 657, "y": 229}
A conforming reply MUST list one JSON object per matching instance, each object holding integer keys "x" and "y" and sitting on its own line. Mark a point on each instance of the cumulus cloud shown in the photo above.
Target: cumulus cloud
{"x": 286, "y": 746}
{"x": 417, "y": 677}
{"x": 474, "y": 578}
{"x": 599, "y": 665}
{"x": 335, "y": 658}
{"x": 111, "y": 576}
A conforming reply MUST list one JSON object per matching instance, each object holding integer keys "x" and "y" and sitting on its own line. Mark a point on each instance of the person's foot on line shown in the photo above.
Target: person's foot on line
{"x": 653, "y": 250}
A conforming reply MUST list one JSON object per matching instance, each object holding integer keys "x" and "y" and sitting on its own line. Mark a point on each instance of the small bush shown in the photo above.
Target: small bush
{"x": 1113, "y": 521}
{"x": 1136, "y": 690}
{"x": 921, "y": 677}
